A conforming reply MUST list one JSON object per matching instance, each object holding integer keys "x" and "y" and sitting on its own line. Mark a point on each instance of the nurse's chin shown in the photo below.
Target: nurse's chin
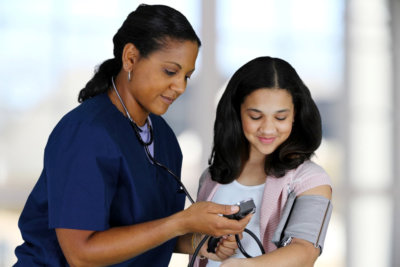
{"x": 160, "y": 110}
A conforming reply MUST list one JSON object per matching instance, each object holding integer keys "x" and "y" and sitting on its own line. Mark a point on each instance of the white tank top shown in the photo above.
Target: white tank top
{"x": 233, "y": 193}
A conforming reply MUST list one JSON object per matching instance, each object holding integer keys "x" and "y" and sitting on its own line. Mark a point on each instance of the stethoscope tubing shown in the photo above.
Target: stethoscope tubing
{"x": 146, "y": 145}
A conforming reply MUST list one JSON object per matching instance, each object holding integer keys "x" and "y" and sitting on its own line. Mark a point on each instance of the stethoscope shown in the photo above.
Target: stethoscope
{"x": 146, "y": 145}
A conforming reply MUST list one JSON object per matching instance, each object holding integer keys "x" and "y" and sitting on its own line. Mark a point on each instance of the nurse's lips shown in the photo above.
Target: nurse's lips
{"x": 168, "y": 100}
{"x": 266, "y": 140}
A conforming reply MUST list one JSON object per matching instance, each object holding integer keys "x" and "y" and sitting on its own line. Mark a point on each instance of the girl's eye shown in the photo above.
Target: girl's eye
{"x": 255, "y": 118}
{"x": 281, "y": 118}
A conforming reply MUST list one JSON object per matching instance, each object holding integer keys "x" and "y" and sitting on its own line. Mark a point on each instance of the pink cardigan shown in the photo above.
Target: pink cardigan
{"x": 308, "y": 175}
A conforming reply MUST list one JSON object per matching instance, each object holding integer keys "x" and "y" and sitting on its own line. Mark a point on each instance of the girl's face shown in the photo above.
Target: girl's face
{"x": 159, "y": 79}
{"x": 267, "y": 118}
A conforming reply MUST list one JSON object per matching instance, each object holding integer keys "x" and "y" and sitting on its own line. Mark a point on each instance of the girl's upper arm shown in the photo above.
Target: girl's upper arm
{"x": 322, "y": 190}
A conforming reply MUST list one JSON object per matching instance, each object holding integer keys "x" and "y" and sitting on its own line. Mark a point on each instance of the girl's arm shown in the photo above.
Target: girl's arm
{"x": 101, "y": 248}
{"x": 299, "y": 252}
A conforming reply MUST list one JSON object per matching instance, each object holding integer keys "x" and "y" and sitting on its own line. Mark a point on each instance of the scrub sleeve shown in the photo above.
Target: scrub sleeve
{"x": 96, "y": 176}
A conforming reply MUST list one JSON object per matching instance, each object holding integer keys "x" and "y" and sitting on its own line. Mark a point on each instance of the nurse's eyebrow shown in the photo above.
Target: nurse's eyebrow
{"x": 178, "y": 65}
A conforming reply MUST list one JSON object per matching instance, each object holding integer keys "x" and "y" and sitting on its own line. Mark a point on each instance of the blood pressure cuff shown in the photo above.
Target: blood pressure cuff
{"x": 304, "y": 217}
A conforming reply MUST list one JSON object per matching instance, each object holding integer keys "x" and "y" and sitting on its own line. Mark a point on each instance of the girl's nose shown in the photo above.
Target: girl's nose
{"x": 267, "y": 127}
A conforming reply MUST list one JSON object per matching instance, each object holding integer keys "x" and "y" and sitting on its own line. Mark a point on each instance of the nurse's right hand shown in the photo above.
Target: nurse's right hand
{"x": 205, "y": 218}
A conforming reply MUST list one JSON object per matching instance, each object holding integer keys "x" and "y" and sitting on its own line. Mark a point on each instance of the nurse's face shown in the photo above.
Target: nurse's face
{"x": 160, "y": 78}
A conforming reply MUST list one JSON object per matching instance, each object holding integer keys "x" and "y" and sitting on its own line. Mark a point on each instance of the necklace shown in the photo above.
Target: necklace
{"x": 136, "y": 128}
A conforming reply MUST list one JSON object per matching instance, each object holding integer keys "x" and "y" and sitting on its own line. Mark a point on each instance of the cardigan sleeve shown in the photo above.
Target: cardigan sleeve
{"x": 307, "y": 176}
{"x": 206, "y": 186}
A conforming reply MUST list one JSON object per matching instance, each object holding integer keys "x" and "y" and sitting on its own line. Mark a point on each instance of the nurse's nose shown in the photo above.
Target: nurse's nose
{"x": 179, "y": 85}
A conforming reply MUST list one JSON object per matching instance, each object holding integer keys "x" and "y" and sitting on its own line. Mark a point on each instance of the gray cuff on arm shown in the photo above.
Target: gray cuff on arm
{"x": 304, "y": 217}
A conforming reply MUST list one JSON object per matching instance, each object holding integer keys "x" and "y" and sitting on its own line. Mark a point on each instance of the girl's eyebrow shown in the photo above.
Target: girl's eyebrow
{"x": 278, "y": 111}
{"x": 254, "y": 110}
{"x": 283, "y": 110}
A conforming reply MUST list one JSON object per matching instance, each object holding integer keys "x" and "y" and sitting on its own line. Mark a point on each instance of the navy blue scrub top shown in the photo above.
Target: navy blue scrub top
{"x": 96, "y": 176}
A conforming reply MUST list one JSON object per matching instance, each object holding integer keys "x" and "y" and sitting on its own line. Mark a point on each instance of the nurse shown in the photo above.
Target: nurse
{"x": 100, "y": 199}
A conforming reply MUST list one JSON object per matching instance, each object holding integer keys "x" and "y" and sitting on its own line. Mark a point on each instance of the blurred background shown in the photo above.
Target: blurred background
{"x": 347, "y": 52}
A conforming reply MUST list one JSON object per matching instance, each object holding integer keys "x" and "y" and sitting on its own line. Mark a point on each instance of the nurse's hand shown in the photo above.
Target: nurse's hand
{"x": 205, "y": 217}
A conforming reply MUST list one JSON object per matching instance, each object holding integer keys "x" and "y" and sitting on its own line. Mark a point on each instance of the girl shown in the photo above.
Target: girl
{"x": 267, "y": 127}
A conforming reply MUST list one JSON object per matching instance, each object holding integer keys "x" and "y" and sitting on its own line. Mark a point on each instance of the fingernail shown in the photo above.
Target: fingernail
{"x": 234, "y": 208}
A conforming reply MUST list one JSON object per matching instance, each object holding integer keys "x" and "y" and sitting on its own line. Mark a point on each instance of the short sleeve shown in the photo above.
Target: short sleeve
{"x": 81, "y": 166}
{"x": 307, "y": 176}
{"x": 203, "y": 177}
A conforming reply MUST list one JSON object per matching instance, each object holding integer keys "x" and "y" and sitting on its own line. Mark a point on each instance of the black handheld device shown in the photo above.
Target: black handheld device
{"x": 245, "y": 207}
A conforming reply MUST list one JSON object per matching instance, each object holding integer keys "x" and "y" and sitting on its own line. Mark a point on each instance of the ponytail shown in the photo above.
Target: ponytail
{"x": 101, "y": 80}
{"x": 149, "y": 28}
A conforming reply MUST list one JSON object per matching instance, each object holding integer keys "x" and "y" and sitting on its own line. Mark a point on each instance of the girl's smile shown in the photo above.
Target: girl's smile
{"x": 266, "y": 140}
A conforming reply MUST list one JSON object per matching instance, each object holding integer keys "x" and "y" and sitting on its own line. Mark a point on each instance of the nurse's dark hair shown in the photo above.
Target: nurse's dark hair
{"x": 230, "y": 147}
{"x": 149, "y": 28}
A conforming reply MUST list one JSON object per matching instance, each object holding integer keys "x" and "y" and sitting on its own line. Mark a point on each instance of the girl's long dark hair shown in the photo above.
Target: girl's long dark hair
{"x": 230, "y": 147}
{"x": 149, "y": 27}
